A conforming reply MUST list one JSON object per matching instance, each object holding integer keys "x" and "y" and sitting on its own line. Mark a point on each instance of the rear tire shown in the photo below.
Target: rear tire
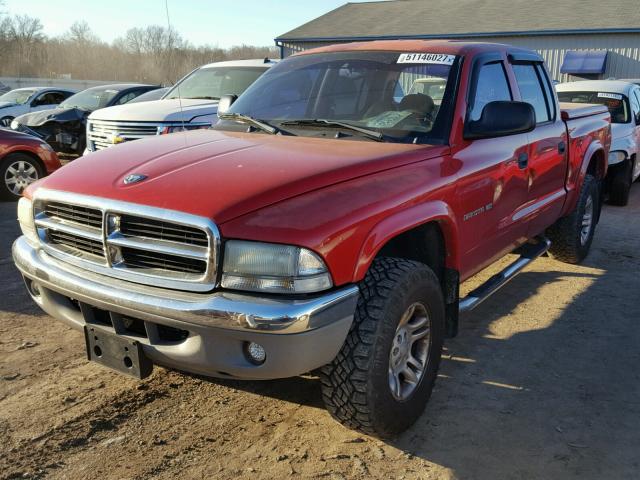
{"x": 381, "y": 380}
{"x": 17, "y": 172}
{"x": 620, "y": 183}
{"x": 571, "y": 236}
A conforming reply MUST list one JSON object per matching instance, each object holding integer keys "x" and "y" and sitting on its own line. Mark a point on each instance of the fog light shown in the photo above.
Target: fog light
{"x": 255, "y": 353}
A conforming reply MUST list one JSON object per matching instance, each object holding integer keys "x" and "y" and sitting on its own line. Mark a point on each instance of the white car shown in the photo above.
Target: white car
{"x": 192, "y": 103}
{"x": 25, "y": 100}
{"x": 623, "y": 100}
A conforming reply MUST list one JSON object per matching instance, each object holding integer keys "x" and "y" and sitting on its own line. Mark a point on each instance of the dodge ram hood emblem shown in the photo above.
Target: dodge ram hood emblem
{"x": 134, "y": 178}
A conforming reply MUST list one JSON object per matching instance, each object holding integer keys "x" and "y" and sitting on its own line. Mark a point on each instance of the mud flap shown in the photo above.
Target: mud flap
{"x": 451, "y": 289}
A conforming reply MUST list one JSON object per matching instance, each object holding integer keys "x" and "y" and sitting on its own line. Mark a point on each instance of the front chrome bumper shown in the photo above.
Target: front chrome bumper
{"x": 298, "y": 335}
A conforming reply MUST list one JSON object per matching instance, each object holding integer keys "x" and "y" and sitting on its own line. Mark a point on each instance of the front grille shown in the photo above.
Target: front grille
{"x": 73, "y": 213}
{"x": 159, "y": 230}
{"x": 76, "y": 243}
{"x": 101, "y": 133}
{"x": 135, "y": 258}
{"x": 148, "y": 245}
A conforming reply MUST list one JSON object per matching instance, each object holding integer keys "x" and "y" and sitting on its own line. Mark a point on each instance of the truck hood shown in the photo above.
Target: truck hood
{"x": 170, "y": 110}
{"x": 222, "y": 175}
{"x": 62, "y": 115}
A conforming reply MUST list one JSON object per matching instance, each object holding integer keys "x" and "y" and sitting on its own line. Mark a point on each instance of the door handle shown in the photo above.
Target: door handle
{"x": 523, "y": 160}
{"x": 562, "y": 147}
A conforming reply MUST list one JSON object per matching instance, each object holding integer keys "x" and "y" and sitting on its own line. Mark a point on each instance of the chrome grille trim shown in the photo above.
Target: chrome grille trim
{"x": 149, "y": 256}
{"x": 99, "y": 132}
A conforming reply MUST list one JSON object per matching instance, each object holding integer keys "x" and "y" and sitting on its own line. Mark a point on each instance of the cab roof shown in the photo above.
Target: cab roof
{"x": 449, "y": 47}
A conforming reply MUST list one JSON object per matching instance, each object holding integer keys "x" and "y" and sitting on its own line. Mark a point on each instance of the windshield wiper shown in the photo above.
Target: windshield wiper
{"x": 242, "y": 118}
{"x": 375, "y": 135}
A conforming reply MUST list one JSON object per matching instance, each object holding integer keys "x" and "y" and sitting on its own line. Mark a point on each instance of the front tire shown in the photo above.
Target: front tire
{"x": 17, "y": 172}
{"x": 571, "y": 236}
{"x": 381, "y": 380}
{"x": 620, "y": 183}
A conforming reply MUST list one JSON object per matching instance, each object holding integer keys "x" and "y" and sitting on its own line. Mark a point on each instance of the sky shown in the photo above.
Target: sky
{"x": 215, "y": 22}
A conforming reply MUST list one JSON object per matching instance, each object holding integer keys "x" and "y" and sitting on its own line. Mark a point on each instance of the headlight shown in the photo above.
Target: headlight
{"x": 616, "y": 157}
{"x": 273, "y": 268}
{"x": 14, "y": 124}
{"x": 182, "y": 128}
{"x": 25, "y": 217}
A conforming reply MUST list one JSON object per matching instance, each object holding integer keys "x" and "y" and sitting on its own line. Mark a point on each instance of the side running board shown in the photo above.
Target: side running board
{"x": 528, "y": 253}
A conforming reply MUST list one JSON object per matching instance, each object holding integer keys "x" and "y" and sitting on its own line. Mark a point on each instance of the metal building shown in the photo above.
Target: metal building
{"x": 577, "y": 38}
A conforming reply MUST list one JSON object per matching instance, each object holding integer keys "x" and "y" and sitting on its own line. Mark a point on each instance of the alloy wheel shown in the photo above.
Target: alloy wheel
{"x": 19, "y": 175}
{"x": 409, "y": 351}
{"x": 587, "y": 221}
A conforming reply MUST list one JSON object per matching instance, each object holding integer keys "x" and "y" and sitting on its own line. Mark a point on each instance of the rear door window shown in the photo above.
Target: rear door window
{"x": 531, "y": 90}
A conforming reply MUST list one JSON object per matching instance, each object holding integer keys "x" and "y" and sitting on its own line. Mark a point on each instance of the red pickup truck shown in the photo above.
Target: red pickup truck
{"x": 325, "y": 223}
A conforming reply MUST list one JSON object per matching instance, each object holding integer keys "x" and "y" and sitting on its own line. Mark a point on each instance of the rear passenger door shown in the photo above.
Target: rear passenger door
{"x": 546, "y": 167}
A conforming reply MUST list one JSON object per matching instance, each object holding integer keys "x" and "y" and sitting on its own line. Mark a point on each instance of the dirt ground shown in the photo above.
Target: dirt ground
{"x": 542, "y": 382}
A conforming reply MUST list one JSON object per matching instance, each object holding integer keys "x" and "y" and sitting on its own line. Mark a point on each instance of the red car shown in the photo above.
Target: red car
{"x": 325, "y": 224}
{"x": 23, "y": 160}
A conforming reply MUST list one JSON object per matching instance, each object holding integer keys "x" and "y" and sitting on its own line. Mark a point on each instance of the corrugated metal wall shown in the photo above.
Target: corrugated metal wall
{"x": 623, "y": 60}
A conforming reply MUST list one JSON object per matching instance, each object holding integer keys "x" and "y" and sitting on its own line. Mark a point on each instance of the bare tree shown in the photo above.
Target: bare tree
{"x": 151, "y": 54}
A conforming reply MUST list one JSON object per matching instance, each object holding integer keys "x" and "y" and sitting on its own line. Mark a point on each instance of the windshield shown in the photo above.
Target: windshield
{"x": 90, "y": 99}
{"x": 372, "y": 90}
{"x": 615, "y": 102}
{"x": 211, "y": 83}
{"x": 17, "y": 96}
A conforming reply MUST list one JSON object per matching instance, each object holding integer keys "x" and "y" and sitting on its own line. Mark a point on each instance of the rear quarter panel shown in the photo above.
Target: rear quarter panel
{"x": 589, "y": 133}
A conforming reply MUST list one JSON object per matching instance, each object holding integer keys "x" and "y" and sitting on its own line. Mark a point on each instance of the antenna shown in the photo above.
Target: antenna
{"x": 166, "y": 8}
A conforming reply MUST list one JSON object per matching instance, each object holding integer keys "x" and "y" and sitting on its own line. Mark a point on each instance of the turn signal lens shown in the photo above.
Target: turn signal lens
{"x": 25, "y": 218}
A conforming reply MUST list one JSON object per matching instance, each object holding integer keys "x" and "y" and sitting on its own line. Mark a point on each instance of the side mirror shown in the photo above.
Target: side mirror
{"x": 499, "y": 119}
{"x": 225, "y": 104}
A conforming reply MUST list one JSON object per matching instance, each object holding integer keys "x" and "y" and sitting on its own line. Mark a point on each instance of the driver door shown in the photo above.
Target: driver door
{"x": 492, "y": 187}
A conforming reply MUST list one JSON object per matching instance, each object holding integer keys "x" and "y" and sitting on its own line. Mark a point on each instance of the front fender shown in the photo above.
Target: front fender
{"x": 626, "y": 144}
{"x": 435, "y": 211}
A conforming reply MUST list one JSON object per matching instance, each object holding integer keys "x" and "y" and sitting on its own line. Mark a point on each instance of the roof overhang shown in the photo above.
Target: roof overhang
{"x": 585, "y": 62}
{"x": 529, "y": 33}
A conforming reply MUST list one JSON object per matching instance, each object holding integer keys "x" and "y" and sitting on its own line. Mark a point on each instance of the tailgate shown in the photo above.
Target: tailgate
{"x": 570, "y": 111}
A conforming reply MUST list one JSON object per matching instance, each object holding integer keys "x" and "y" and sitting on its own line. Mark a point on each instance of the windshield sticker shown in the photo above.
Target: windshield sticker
{"x": 615, "y": 96}
{"x": 388, "y": 119}
{"x": 430, "y": 58}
